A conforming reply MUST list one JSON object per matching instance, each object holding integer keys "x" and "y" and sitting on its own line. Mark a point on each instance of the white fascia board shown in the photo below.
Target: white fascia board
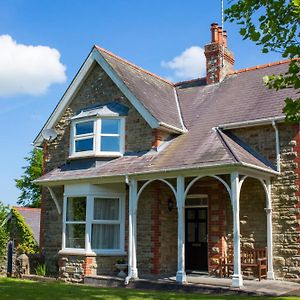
{"x": 250, "y": 123}
{"x": 66, "y": 98}
{"x": 218, "y": 168}
{"x": 171, "y": 128}
{"x": 151, "y": 120}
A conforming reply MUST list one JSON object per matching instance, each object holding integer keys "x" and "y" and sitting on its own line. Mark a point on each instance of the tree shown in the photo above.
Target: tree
{"x": 273, "y": 25}
{"x": 4, "y": 210}
{"x": 30, "y": 192}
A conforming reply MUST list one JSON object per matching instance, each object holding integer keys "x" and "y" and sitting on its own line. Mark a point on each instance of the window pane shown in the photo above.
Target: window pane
{"x": 110, "y": 143}
{"x": 84, "y": 145}
{"x": 106, "y": 236}
{"x": 110, "y": 126}
{"x": 84, "y": 127}
{"x": 106, "y": 209}
{"x": 76, "y": 209}
{"x": 75, "y": 235}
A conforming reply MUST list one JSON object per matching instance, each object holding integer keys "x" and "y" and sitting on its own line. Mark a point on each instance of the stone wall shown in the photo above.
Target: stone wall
{"x": 285, "y": 193}
{"x": 156, "y": 231}
{"x": 98, "y": 88}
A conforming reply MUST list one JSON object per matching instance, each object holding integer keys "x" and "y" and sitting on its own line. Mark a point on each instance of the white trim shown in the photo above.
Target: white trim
{"x": 172, "y": 128}
{"x": 55, "y": 200}
{"x": 167, "y": 173}
{"x": 95, "y": 56}
{"x": 237, "y": 279}
{"x": 202, "y": 176}
{"x": 179, "y": 110}
{"x": 158, "y": 179}
{"x": 250, "y": 123}
{"x": 277, "y": 146}
{"x": 151, "y": 120}
{"x": 97, "y": 135}
{"x": 90, "y": 197}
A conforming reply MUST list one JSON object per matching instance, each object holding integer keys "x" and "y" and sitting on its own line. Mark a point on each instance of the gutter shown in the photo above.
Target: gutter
{"x": 172, "y": 128}
{"x": 165, "y": 171}
{"x": 250, "y": 123}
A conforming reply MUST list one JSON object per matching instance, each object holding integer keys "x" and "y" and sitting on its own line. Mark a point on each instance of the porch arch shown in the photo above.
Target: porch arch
{"x": 152, "y": 180}
{"x": 266, "y": 185}
{"x": 152, "y": 201}
{"x": 212, "y": 176}
{"x": 242, "y": 180}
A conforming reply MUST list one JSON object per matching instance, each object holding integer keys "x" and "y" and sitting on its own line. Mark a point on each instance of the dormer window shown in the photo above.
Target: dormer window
{"x": 99, "y": 131}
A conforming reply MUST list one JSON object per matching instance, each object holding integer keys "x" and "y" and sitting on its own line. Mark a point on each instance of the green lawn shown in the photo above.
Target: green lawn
{"x": 14, "y": 289}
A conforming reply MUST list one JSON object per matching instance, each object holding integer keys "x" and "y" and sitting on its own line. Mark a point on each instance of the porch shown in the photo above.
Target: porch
{"x": 205, "y": 223}
{"x": 201, "y": 284}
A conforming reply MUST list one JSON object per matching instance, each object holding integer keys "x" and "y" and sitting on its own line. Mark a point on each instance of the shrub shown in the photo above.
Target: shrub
{"x": 41, "y": 270}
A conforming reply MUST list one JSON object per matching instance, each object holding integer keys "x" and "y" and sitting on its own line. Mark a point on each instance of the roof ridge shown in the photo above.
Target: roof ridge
{"x": 276, "y": 63}
{"x": 26, "y": 208}
{"x": 188, "y": 81}
{"x": 133, "y": 65}
{"x": 226, "y": 146}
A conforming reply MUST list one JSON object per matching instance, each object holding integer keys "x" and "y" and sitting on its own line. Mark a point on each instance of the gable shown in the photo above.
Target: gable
{"x": 150, "y": 113}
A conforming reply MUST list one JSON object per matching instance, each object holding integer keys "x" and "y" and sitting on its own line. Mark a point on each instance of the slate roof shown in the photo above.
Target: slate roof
{"x": 241, "y": 96}
{"x": 32, "y": 217}
{"x": 153, "y": 91}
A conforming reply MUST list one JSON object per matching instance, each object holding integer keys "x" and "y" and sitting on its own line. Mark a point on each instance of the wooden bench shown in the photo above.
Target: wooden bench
{"x": 255, "y": 259}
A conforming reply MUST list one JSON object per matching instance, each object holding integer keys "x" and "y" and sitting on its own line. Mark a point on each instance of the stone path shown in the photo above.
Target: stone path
{"x": 203, "y": 284}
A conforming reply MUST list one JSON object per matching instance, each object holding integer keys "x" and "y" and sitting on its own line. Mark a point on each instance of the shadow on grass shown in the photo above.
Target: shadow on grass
{"x": 31, "y": 290}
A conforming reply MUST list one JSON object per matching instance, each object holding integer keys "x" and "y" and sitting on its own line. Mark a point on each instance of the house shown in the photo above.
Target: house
{"x": 170, "y": 177}
{"x": 30, "y": 217}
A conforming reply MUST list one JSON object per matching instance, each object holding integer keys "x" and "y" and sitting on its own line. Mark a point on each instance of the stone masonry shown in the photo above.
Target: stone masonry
{"x": 157, "y": 226}
{"x": 285, "y": 193}
{"x": 98, "y": 88}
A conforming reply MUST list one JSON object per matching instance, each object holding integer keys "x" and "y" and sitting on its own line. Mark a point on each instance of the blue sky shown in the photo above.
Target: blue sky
{"x": 150, "y": 34}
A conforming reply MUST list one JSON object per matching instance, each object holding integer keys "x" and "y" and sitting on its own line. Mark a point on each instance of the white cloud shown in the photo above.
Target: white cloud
{"x": 188, "y": 65}
{"x": 27, "y": 69}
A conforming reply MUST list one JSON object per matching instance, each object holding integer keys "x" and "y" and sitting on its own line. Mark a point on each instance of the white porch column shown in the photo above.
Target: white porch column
{"x": 237, "y": 279}
{"x": 270, "y": 273}
{"x": 180, "y": 275}
{"x": 132, "y": 269}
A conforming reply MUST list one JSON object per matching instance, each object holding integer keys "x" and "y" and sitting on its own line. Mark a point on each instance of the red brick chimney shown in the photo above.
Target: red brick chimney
{"x": 219, "y": 60}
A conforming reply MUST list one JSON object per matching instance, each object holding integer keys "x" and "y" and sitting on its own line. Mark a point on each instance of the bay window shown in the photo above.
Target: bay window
{"x": 99, "y": 136}
{"x": 94, "y": 223}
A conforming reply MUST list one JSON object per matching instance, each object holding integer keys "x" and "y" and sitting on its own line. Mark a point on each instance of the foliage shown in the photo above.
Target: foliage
{"x": 26, "y": 241}
{"x": 30, "y": 192}
{"x": 3, "y": 228}
{"x": 273, "y": 25}
{"x": 41, "y": 270}
{"x": 33, "y": 290}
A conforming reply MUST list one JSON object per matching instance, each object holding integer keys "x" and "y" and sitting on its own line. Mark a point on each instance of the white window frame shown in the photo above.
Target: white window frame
{"x": 88, "y": 225}
{"x": 96, "y": 135}
{"x": 72, "y": 222}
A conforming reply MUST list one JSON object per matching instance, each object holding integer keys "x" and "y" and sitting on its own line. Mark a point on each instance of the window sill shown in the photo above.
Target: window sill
{"x": 83, "y": 252}
{"x": 94, "y": 155}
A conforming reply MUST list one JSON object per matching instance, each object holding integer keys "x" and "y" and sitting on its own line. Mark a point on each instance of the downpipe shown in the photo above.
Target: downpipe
{"x": 277, "y": 146}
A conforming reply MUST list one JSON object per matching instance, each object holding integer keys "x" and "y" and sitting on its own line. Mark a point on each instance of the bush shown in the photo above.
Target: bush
{"x": 41, "y": 270}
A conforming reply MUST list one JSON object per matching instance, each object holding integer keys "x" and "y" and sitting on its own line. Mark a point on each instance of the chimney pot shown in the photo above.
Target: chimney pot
{"x": 220, "y": 33}
{"x": 214, "y": 33}
{"x": 225, "y": 38}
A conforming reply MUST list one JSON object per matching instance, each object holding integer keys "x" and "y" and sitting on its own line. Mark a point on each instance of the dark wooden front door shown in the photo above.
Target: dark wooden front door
{"x": 196, "y": 239}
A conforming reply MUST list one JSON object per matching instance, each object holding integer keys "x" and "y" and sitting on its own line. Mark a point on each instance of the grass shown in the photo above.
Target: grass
{"x": 31, "y": 290}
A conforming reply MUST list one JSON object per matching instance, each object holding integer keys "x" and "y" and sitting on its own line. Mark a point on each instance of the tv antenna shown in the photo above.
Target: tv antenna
{"x": 222, "y": 26}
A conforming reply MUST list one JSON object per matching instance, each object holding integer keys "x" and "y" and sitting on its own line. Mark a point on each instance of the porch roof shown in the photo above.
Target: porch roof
{"x": 216, "y": 149}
